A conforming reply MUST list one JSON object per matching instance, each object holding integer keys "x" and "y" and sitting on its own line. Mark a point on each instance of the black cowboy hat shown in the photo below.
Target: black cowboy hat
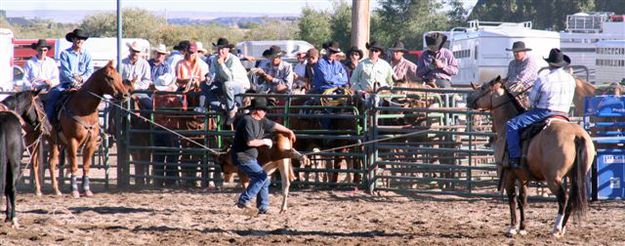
{"x": 274, "y": 51}
{"x": 77, "y": 33}
{"x": 398, "y": 46}
{"x": 332, "y": 46}
{"x": 183, "y": 45}
{"x": 374, "y": 45}
{"x": 557, "y": 58}
{"x": 518, "y": 46}
{"x": 223, "y": 42}
{"x": 39, "y": 44}
{"x": 436, "y": 38}
{"x": 259, "y": 103}
{"x": 354, "y": 49}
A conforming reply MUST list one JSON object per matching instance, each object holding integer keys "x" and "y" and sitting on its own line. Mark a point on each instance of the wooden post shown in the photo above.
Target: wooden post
{"x": 360, "y": 24}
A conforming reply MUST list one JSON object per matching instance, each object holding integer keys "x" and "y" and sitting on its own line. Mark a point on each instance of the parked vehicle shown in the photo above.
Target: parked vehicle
{"x": 6, "y": 61}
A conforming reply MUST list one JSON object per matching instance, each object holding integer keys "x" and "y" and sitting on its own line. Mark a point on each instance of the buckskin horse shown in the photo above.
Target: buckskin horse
{"x": 12, "y": 143}
{"x": 27, "y": 105}
{"x": 78, "y": 127}
{"x": 562, "y": 149}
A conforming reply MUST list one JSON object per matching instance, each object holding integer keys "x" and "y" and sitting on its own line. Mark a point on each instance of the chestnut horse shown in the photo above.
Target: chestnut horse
{"x": 562, "y": 149}
{"x": 78, "y": 124}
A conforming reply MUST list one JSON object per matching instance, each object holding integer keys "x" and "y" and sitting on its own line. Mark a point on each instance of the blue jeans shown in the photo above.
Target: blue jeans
{"x": 518, "y": 123}
{"x": 52, "y": 98}
{"x": 228, "y": 89}
{"x": 258, "y": 186}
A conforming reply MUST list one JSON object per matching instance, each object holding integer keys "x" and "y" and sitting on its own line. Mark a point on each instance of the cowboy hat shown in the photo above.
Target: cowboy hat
{"x": 518, "y": 46}
{"x": 182, "y": 45}
{"x": 438, "y": 39}
{"x": 223, "y": 43}
{"x": 161, "y": 48}
{"x": 354, "y": 49}
{"x": 332, "y": 46}
{"x": 259, "y": 103}
{"x": 274, "y": 51}
{"x": 39, "y": 44}
{"x": 135, "y": 46}
{"x": 77, "y": 33}
{"x": 200, "y": 47}
{"x": 557, "y": 58}
{"x": 398, "y": 46}
{"x": 165, "y": 82}
{"x": 374, "y": 45}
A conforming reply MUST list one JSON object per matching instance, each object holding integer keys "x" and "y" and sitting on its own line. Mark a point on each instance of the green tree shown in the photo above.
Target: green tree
{"x": 407, "y": 20}
{"x": 314, "y": 26}
{"x": 457, "y": 13}
{"x": 271, "y": 30}
{"x": 136, "y": 23}
{"x": 341, "y": 24}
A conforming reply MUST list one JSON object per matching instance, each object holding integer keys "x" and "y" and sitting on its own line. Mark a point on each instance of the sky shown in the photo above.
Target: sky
{"x": 234, "y": 6}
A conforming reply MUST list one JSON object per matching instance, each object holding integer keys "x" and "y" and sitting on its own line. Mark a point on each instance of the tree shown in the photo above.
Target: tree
{"x": 457, "y": 13}
{"x": 271, "y": 30}
{"x": 314, "y": 26}
{"x": 341, "y": 24}
{"x": 137, "y": 23}
{"x": 407, "y": 20}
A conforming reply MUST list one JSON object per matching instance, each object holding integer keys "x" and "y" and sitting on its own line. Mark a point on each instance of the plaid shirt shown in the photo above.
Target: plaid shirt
{"x": 553, "y": 91}
{"x": 521, "y": 76}
{"x": 426, "y": 69}
{"x": 404, "y": 71}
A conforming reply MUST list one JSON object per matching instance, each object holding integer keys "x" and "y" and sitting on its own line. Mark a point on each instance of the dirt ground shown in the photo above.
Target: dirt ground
{"x": 206, "y": 217}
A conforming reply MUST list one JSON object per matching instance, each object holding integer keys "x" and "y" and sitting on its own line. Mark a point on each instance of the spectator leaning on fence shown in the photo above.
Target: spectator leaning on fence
{"x": 437, "y": 64}
{"x": 522, "y": 72}
{"x": 230, "y": 76}
{"x": 329, "y": 72}
{"x": 354, "y": 55}
{"x": 277, "y": 74}
{"x": 373, "y": 72}
{"x": 76, "y": 68}
{"x": 41, "y": 72}
{"x": 136, "y": 69}
{"x": 312, "y": 57}
{"x": 403, "y": 69}
{"x": 158, "y": 66}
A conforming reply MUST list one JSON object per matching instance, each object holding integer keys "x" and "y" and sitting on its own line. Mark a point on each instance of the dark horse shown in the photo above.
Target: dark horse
{"x": 78, "y": 124}
{"x": 562, "y": 149}
{"x": 25, "y": 107}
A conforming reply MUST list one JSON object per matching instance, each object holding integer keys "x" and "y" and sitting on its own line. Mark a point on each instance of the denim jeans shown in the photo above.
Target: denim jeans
{"x": 228, "y": 89}
{"x": 515, "y": 125}
{"x": 259, "y": 183}
{"x": 52, "y": 98}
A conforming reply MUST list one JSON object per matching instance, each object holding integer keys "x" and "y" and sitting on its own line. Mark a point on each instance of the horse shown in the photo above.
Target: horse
{"x": 78, "y": 126}
{"x": 561, "y": 150}
{"x": 27, "y": 104}
{"x": 277, "y": 158}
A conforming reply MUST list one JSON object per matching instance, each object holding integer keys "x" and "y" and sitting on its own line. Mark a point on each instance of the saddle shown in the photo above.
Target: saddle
{"x": 530, "y": 132}
{"x": 63, "y": 98}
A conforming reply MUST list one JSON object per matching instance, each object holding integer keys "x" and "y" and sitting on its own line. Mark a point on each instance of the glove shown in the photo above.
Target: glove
{"x": 268, "y": 142}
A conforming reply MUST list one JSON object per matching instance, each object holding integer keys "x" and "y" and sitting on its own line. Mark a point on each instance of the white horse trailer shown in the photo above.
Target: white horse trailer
{"x": 6, "y": 61}
{"x": 610, "y": 61}
{"x": 583, "y": 31}
{"x": 481, "y": 48}
{"x": 290, "y": 47}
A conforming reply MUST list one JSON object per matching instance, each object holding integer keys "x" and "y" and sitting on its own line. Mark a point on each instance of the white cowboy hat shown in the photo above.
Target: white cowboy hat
{"x": 135, "y": 46}
{"x": 161, "y": 48}
{"x": 200, "y": 47}
{"x": 165, "y": 82}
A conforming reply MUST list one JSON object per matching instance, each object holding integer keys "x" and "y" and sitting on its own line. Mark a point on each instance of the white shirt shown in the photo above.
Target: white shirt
{"x": 554, "y": 91}
{"x": 173, "y": 60}
{"x": 36, "y": 71}
{"x": 139, "y": 70}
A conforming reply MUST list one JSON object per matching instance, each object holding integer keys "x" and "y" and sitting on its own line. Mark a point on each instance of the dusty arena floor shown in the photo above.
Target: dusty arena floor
{"x": 177, "y": 217}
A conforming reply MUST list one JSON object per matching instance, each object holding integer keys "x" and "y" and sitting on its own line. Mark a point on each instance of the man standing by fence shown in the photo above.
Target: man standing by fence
{"x": 249, "y": 136}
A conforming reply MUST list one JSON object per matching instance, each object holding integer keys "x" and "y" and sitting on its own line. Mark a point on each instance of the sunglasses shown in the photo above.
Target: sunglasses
{"x": 376, "y": 50}
{"x": 44, "y": 49}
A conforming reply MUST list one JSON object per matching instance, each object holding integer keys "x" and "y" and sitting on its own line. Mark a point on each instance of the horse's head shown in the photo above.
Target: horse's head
{"x": 111, "y": 82}
{"x": 28, "y": 105}
{"x": 482, "y": 97}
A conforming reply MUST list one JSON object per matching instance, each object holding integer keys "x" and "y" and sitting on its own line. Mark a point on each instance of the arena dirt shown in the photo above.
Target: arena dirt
{"x": 207, "y": 217}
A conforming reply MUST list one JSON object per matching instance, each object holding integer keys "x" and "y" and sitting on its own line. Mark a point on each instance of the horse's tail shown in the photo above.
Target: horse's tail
{"x": 4, "y": 161}
{"x": 583, "y": 161}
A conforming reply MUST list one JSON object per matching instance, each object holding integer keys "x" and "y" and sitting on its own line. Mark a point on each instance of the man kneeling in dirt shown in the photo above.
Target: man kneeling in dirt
{"x": 248, "y": 138}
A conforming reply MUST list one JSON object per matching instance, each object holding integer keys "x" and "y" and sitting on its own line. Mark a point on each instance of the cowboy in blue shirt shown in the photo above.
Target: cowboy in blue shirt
{"x": 329, "y": 72}
{"x": 76, "y": 68}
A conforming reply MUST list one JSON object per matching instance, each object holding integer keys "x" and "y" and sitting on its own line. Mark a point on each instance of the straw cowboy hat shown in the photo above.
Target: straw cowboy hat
{"x": 223, "y": 42}
{"x": 165, "y": 82}
{"x": 557, "y": 58}
{"x": 40, "y": 44}
{"x": 200, "y": 47}
{"x": 77, "y": 33}
{"x": 161, "y": 49}
{"x": 398, "y": 46}
{"x": 518, "y": 46}
{"x": 438, "y": 39}
{"x": 135, "y": 46}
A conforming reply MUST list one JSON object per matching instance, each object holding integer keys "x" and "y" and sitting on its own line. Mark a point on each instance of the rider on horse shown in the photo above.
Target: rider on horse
{"x": 76, "y": 68}
{"x": 551, "y": 95}
{"x": 522, "y": 72}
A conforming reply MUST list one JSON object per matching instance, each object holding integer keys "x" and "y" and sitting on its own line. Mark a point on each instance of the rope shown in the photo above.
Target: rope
{"x": 159, "y": 125}
{"x": 368, "y": 142}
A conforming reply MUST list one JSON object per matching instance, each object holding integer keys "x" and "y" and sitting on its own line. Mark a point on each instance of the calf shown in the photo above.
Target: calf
{"x": 278, "y": 157}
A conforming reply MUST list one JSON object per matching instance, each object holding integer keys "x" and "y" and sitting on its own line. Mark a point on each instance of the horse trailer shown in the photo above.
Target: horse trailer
{"x": 6, "y": 61}
{"x": 610, "y": 62}
{"x": 290, "y": 47}
{"x": 481, "y": 48}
